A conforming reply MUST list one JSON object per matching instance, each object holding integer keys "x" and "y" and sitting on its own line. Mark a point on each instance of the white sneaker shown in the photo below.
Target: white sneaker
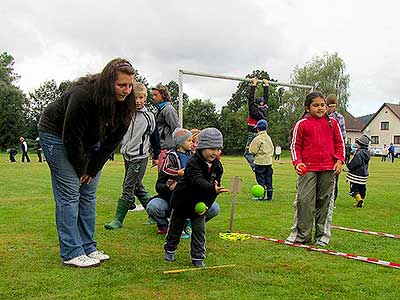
{"x": 100, "y": 255}
{"x": 82, "y": 261}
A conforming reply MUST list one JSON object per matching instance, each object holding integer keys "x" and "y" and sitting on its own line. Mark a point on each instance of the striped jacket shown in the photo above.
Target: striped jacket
{"x": 358, "y": 167}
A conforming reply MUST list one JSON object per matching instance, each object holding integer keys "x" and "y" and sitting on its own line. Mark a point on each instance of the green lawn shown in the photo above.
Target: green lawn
{"x": 30, "y": 266}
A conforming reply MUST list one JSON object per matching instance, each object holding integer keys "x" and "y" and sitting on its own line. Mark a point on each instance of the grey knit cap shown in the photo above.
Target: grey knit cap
{"x": 180, "y": 135}
{"x": 210, "y": 138}
{"x": 363, "y": 140}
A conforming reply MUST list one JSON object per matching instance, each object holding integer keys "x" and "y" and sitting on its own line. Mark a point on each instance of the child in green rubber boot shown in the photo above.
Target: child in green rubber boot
{"x": 135, "y": 147}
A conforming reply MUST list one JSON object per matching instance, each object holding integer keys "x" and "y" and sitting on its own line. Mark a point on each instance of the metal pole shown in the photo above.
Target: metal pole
{"x": 186, "y": 72}
{"x": 181, "y": 98}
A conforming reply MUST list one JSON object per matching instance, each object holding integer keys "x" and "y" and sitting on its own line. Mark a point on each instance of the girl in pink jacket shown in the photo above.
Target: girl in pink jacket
{"x": 317, "y": 151}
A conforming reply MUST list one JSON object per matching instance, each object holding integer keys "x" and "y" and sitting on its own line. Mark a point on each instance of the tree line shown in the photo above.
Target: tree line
{"x": 20, "y": 113}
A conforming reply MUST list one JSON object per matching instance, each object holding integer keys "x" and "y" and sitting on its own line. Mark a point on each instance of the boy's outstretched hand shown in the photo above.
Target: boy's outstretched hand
{"x": 338, "y": 167}
{"x": 220, "y": 189}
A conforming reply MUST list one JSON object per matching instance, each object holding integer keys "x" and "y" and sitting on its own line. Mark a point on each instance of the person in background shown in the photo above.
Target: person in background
{"x": 358, "y": 171}
{"x": 385, "y": 152}
{"x": 258, "y": 110}
{"x": 262, "y": 148}
{"x": 39, "y": 149}
{"x": 278, "y": 151}
{"x": 24, "y": 149}
{"x": 391, "y": 153}
{"x": 332, "y": 103}
{"x": 166, "y": 119}
{"x": 78, "y": 133}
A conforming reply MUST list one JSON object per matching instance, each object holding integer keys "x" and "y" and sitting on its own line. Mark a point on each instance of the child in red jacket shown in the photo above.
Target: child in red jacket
{"x": 317, "y": 152}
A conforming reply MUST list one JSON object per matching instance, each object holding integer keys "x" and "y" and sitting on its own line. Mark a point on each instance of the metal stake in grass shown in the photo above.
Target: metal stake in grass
{"x": 196, "y": 269}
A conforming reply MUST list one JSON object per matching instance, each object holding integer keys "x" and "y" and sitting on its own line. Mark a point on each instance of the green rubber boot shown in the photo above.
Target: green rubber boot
{"x": 120, "y": 213}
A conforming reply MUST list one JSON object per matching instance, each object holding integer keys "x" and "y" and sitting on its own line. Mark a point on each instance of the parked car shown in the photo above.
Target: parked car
{"x": 376, "y": 151}
{"x": 353, "y": 148}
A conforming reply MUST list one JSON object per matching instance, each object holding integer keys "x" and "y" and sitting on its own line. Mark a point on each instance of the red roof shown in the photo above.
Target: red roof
{"x": 352, "y": 123}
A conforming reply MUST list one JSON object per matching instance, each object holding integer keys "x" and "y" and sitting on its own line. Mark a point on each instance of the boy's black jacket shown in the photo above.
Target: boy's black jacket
{"x": 197, "y": 185}
{"x": 359, "y": 164}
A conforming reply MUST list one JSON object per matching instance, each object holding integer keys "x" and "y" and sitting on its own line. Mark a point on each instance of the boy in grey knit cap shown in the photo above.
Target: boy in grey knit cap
{"x": 200, "y": 183}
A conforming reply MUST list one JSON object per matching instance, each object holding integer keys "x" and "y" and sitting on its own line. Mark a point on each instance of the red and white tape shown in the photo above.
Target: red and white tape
{"x": 331, "y": 252}
{"x": 394, "y": 236}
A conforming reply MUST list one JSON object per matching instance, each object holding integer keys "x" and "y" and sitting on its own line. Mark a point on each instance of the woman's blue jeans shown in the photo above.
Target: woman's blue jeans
{"x": 75, "y": 203}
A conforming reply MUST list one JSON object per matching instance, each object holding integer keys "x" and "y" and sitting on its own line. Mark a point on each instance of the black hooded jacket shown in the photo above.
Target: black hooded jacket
{"x": 197, "y": 185}
{"x": 359, "y": 164}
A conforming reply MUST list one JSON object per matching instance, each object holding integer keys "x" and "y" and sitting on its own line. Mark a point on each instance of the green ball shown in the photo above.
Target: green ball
{"x": 200, "y": 208}
{"x": 257, "y": 190}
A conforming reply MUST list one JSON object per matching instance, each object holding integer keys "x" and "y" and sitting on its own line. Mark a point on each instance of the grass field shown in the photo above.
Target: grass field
{"x": 30, "y": 266}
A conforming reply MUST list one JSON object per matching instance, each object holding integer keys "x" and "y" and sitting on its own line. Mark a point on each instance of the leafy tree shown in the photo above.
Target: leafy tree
{"x": 200, "y": 114}
{"x": 12, "y": 101}
{"x": 327, "y": 75}
{"x": 7, "y": 74}
{"x": 38, "y": 100}
{"x": 233, "y": 127}
{"x": 173, "y": 89}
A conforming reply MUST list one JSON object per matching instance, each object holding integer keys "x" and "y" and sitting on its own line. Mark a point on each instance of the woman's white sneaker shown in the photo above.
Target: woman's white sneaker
{"x": 100, "y": 255}
{"x": 82, "y": 261}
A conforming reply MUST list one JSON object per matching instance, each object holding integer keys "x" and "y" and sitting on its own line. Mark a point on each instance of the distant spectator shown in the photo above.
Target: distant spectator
{"x": 391, "y": 153}
{"x": 13, "y": 152}
{"x": 24, "y": 149}
{"x": 385, "y": 152}
{"x": 278, "y": 151}
{"x": 39, "y": 149}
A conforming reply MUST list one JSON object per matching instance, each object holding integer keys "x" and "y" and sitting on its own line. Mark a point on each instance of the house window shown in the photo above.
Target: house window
{"x": 384, "y": 125}
{"x": 374, "y": 139}
{"x": 396, "y": 139}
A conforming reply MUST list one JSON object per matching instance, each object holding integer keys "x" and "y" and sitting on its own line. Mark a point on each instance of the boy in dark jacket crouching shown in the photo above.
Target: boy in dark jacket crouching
{"x": 200, "y": 183}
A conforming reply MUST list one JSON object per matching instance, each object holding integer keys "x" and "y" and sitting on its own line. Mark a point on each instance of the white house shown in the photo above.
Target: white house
{"x": 384, "y": 126}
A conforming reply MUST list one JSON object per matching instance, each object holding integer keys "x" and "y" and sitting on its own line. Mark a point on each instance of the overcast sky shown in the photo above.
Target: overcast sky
{"x": 67, "y": 39}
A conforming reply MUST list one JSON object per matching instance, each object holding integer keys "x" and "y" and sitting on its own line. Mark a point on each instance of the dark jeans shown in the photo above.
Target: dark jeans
{"x": 198, "y": 241}
{"x": 39, "y": 155}
{"x": 132, "y": 185}
{"x": 356, "y": 188}
{"x": 264, "y": 176}
{"x": 25, "y": 155}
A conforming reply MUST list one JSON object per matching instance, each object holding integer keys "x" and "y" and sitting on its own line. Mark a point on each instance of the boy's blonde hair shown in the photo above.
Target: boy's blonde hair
{"x": 331, "y": 99}
{"x": 195, "y": 134}
{"x": 139, "y": 89}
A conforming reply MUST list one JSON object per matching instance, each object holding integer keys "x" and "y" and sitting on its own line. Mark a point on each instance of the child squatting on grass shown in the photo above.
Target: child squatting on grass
{"x": 317, "y": 152}
{"x": 358, "y": 171}
{"x": 200, "y": 183}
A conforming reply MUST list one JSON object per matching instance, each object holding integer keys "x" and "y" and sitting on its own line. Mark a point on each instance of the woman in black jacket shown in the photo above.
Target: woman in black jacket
{"x": 78, "y": 133}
